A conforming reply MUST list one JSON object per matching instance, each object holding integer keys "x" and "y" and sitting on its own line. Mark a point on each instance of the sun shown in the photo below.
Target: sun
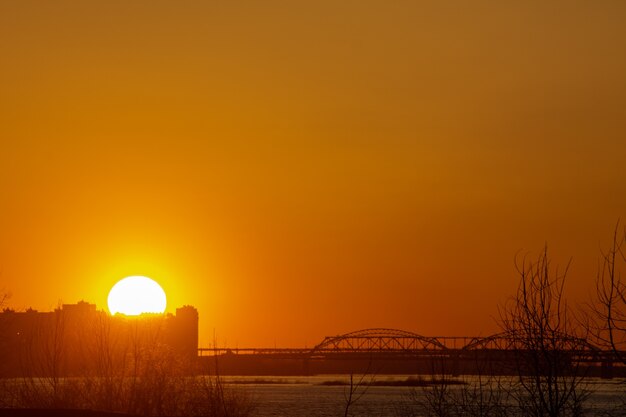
{"x": 136, "y": 295}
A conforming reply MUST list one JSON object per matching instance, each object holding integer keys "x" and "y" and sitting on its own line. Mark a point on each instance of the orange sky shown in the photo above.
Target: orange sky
{"x": 302, "y": 169}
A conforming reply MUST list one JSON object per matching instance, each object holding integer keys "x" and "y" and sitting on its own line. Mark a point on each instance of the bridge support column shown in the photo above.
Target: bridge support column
{"x": 456, "y": 364}
{"x": 606, "y": 370}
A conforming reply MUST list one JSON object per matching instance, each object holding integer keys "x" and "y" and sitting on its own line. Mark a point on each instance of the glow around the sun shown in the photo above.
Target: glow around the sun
{"x": 136, "y": 295}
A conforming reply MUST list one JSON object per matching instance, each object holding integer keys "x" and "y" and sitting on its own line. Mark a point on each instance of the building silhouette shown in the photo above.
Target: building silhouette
{"x": 79, "y": 340}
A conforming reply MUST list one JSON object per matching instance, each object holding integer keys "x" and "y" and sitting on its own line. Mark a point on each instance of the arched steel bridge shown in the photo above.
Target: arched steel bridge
{"x": 415, "y": 353}
{"x": 378, "y": 340}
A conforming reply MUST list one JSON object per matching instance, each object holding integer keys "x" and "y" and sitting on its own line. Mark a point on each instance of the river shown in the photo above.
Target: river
{"x": 321, "y": 396}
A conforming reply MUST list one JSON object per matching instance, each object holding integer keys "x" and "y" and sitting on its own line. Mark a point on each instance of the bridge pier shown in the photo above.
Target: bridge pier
{"x": 306, "y": 367}
{"x": 456, "y": 364}
{"x": 606, "y": 369}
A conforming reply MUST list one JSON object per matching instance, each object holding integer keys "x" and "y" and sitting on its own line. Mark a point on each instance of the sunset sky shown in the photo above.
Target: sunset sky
{"x": 300, "y": 169}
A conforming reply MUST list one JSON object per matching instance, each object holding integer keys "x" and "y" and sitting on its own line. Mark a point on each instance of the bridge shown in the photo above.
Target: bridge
{"x": 400, "y": 341}
{"x": 411, "y": 351}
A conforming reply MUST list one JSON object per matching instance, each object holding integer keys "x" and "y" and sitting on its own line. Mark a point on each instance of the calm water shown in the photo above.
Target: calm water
{"x": 306, "y": 396}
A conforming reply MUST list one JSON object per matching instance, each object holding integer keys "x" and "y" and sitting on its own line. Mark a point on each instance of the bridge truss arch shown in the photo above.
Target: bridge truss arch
{"x": 378, "y": 340}
{"x": 512, "y": 341}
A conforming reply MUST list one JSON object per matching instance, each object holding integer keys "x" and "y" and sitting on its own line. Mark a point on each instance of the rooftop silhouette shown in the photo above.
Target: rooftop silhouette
{"x": 77, "y": 340}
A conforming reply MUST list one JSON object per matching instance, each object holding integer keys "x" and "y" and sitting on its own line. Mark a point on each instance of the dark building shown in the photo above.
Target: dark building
{"x": 77, "y": 339}
{"x": 183, "y": 328}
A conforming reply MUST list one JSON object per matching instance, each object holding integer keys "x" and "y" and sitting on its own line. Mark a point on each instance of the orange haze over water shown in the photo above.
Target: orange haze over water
{"x": 302, "y": 169}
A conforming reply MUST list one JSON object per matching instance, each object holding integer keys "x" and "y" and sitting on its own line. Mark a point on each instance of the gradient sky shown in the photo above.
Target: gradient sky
{"x": 301, "y": 169}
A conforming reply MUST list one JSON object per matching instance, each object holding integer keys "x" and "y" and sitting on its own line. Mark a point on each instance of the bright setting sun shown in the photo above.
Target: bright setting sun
{"x": 136, "y": 295}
